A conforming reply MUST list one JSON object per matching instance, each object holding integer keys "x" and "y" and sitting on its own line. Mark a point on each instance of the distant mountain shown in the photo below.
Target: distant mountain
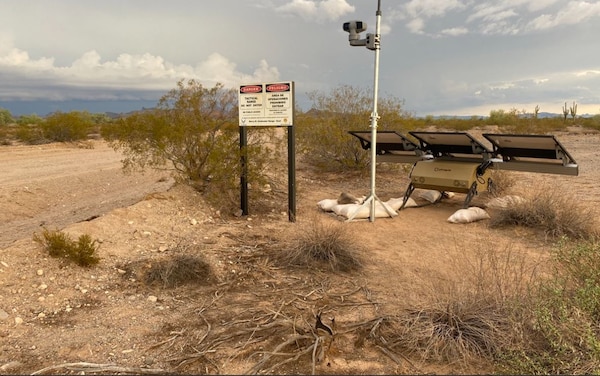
{"x": 541, "y": 115}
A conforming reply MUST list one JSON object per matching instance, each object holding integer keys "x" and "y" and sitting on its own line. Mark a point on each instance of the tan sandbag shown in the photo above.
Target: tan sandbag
{"x": 431, "y": 196}
{"x": 327, "y": 204}
{"x": 396, "y": 203}
{"x": 347, "y": 210}
{"x": 504, "y": 202}
{"x": 471, "y": 214}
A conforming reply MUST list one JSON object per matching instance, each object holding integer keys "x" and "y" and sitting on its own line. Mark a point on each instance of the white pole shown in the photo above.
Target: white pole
{"x": 375, "y": 115}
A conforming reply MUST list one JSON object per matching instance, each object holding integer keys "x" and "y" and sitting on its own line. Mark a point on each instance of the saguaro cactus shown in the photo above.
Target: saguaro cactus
{"x": 573, "y": 110}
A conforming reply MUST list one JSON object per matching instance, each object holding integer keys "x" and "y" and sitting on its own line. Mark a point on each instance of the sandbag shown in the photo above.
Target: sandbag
{"x": 431, "y": 196}
{"x": 347, "y": 210}
{"x": 504, "y": 202}
{"x": 396, "y": 203}
{"x": 471, "y": 214}
{"x": 327, "y": 204}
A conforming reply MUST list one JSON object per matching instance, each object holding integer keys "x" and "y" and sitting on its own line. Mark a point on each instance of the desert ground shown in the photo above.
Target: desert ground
{"x": 57, "y": 317}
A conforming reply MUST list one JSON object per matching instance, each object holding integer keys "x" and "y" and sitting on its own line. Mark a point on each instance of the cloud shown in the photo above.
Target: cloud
{"x": 573, "y": 13}
{"x": 499, "y": 17}
{"x": 129, "y": 76}
{"x": 431, "y": 8}
{"x": 317, "y": 10}
{"x": 455, "y": 31}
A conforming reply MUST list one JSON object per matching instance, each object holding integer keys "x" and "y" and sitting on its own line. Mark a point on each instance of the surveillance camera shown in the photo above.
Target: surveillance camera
{"x": 354, "y": 28}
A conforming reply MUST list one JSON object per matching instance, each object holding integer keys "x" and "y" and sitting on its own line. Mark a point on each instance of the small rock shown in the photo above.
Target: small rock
{"x": 193, "y": 222}
{"x": 163, "y": 248}
{"x": 40, "y": 272}
{"x": 152, "y": 299}
{"x": 121, "y": 271}
{"x": 18, "y": 320}
{"x": 146, "y": 233}
{"x": 3, "y": 314}
{"x": 4, "y": 264}
{"x": 43, "y": 286}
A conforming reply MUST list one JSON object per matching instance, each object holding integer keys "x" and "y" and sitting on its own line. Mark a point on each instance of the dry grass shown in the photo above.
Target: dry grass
{"x": 502, "y": 182}
{"x": 319, "y": 244}
{"x": 551, "y": 210}
{"x": 179, "y": 270}
{"x": 471, "y": 312}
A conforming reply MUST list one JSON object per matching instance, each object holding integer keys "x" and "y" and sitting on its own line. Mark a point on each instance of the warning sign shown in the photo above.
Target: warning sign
{"x": 267, "y": 104}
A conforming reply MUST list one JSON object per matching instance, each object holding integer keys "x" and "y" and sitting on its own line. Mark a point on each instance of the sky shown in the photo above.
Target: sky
{"x": 440, "y": 57}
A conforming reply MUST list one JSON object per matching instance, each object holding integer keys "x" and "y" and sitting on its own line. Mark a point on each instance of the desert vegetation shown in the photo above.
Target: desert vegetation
{"x": 516, "y": 316}
{"x": 58, "y": 244}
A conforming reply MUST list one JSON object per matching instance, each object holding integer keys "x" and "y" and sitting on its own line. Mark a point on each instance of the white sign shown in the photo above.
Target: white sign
{"x": 270, "y": 104}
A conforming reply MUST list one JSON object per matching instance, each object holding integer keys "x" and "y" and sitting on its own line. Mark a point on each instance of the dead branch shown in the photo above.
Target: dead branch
{"x": 257, "y": 367}
{"x": 95, "y": 367}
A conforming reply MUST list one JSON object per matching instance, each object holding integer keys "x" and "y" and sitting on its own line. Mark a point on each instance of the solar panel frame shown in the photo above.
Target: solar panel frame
{"x": 387, "y": 141}
{"x": 450, "y": 143}
{"x": 522, "y": 147}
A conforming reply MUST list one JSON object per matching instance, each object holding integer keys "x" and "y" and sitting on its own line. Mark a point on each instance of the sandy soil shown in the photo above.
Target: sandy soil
{"x": 54, "y": 313}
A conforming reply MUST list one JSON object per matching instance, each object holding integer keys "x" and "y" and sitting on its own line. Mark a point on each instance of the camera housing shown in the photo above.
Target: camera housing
{"x": 354, "y": 28}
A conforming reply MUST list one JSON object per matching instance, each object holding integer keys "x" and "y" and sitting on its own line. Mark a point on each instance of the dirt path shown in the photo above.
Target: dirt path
{"x": 59, "y": 184}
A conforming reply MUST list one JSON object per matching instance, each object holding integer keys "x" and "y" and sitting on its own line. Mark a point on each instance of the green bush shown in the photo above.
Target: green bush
{"x": 66, "y": 127}
{"x": 323, "y": 137}
{"x": 58, "y": 244}
{"x": 195, "y": 132}
{"x": 564, "y": 335}
{"x": 5, "y": 117}
{"x": 30, "y": 134}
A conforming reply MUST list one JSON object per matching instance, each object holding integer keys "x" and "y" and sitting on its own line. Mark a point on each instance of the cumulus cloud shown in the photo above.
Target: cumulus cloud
{"x": 317, "y": 10}
{"x": 129, "y": 76}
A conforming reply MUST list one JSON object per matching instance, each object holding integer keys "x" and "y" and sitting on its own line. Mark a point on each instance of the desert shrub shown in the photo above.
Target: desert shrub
{"x": 551, "y": 210}
{"x": 472, "y": 313}
{"x": 31, "y": 119}
{"x": 59, "y": 244}
{"x": 67, "y": 126}
{"x": 194, "y": 131}
{"x": 502, "y": 182}
{"x": 319, "y": 244}
{"x": 6, "y": 117}
{"x": 323, "y": 136}
{"x": 30, "y": 134}
{"x": 564, "y": 335}
{"x": 179, "y": 270}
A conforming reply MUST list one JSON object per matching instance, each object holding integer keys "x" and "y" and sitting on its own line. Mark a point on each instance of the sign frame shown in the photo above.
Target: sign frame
{"x": 266, "y": 104}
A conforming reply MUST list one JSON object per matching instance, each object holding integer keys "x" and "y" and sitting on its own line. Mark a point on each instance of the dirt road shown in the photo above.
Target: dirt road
{"x": 58, "y": 184}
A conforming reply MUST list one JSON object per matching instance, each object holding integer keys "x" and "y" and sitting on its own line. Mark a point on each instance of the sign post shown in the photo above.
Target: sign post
{"x": 268, "y": 105}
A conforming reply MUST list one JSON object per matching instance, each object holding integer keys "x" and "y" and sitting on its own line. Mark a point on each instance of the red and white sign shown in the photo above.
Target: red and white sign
{"x": 267, "y": 104}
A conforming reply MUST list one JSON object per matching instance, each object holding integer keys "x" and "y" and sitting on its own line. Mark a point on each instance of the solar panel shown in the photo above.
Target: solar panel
{"x": 386, "y": 141}
{"x": 450, "y": 143}
{"x": 534, "y": 153}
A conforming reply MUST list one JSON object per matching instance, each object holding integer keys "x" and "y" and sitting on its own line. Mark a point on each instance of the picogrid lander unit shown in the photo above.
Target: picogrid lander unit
{"x": 457, "y": 162}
